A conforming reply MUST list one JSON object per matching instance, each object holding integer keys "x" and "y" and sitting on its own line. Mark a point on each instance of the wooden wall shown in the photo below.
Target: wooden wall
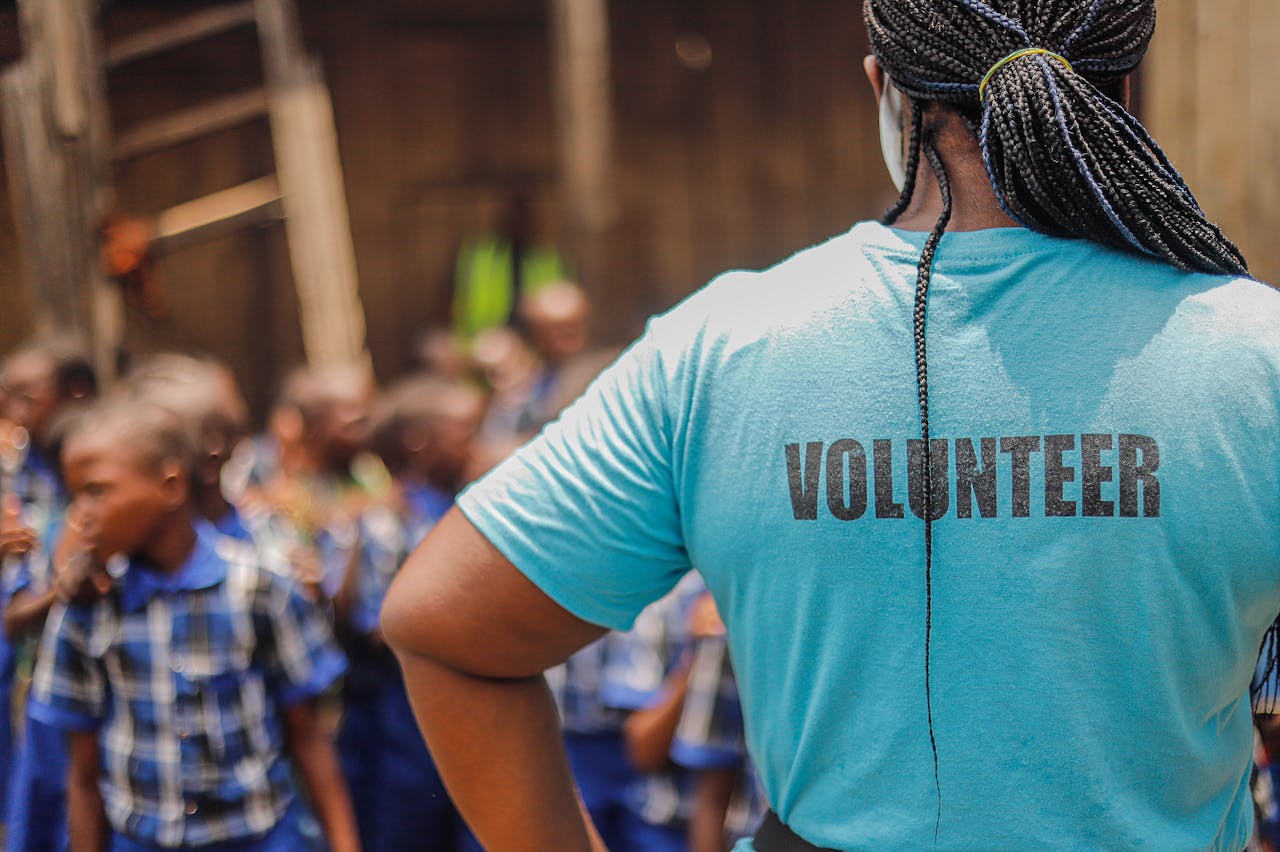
{"x": 771, "y": 147}
{"x": 744, "y": 131}
{"x": 1212, "y": 99}
{"x": 444, "y": 111}
{"x": 15, "y": 300}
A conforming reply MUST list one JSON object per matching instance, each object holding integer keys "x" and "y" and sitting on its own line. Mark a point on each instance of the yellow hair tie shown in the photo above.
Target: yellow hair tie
{"x": 1018, "y": 54}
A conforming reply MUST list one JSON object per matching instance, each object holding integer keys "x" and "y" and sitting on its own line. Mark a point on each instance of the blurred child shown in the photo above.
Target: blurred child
{"x": 423, "y": 431}
{"x": 9, "y": 460}
{"x": 205, "y": 394}
{"x": 340, "y": 478}
{"x": 647, "y": 676}
{"x": 593, "y": 740}
{"x": 41, "y": 379}
{"x": 710, "y": 742}
{"x": 188, "y": 688}
{"x": 557, "y": 320}
{"x": 510, "y": 369}
{"x": 280, "y": 452}
{"x": 45, "y": 381}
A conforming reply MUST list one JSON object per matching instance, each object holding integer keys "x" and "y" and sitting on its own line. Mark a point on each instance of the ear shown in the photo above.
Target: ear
{"x": 875, "y": 74}
{"x": 175, "y": 483}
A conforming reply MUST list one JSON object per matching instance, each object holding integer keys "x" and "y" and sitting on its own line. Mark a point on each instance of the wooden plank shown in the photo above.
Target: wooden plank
{"x": 192, "y": 123}
{"x": 37, "y": 185}
{"x": 584, "y": 123}
{"x": 64, "y": 111}
{"x": 1220, "y": 176}
{"x": 253, "y": 203}
{"x": 1261, "y": 116}
{"x": 310, "y": 173}
{"x": 1170, "y": 97}
{"x": 92, "y": 195}
{"x": 194, "y": 27}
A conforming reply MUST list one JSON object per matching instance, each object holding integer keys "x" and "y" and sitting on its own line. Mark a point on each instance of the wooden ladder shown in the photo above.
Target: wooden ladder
{"x": 67, "y": 147}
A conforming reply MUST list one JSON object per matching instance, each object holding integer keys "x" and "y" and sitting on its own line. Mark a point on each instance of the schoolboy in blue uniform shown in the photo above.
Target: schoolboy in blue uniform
{"x": 37, "y": 798}
{"x": 43, "y": 380}
{"x": 204, "y": 393}
{"x": 423, "y": 431}
{"x": 187, "y": 688}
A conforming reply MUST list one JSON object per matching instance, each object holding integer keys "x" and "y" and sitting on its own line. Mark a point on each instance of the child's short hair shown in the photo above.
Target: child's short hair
{"x": 417, "y": 401}
{"x": 198, "y": 390}
{"x": 153, "y": 433}
{"x": 312, "y": 390}
{"x": 73, "y": 374}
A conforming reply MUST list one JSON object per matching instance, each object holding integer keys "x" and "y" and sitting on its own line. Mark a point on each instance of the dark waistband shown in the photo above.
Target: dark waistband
{"x": 773, "y": 836}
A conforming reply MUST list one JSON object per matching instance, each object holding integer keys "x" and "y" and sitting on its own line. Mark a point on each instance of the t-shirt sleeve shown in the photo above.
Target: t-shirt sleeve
{"x": 68, "y": 690}
{"x": 588, "y": 509}
{"x": 299, "y": 653}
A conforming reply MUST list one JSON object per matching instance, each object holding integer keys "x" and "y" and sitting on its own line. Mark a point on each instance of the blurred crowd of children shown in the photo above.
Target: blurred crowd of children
{"x": 191, "y": 655}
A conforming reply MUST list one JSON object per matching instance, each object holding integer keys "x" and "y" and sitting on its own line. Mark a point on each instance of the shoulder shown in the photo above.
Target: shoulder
{"x": 803, "y": 282}
{"x": 1248, "y": 308}
{"x": 1207, "y": 315}
{"x": 743, "y": 310}
{"x": 251, "y": 584}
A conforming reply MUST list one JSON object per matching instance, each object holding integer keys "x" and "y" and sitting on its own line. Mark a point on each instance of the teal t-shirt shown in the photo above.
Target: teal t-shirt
{"x": 1108, "y": 458}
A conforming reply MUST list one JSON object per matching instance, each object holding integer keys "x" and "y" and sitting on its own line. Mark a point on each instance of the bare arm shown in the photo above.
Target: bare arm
{"x": 649, "y": 731}
{"x": 712, "y": 793}
{"x": 473, "y": 636}
{"x": 317, "y": 763}
{"x": 84, "y": 799}
{"x": 27, "y": 611}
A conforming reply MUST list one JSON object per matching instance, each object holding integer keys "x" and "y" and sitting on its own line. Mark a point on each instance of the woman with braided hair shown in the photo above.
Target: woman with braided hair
{"x": 985, "y": 492}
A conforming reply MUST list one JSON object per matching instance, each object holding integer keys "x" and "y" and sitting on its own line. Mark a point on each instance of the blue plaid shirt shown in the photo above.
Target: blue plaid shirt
{"x": 576, "y": 683}
{"x": 386, "y": 536}
{"x": 184, "y": 677}
{"x": 43, "y": 500}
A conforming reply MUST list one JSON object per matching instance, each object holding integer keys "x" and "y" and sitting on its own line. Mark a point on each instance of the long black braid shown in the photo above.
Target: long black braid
{"x": 919, "y": 317}
{"x": 1062, "y": 153}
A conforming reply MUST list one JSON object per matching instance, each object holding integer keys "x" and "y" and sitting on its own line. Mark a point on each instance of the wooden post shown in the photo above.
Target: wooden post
{"x": 1263, "y": 110}
{"x": 56, "y": 130}
{"x": 1209, "y": 99}
{"x": 38, "y": 189}
{"x": 580, "y": 76}
{"x": 310, "y": 173}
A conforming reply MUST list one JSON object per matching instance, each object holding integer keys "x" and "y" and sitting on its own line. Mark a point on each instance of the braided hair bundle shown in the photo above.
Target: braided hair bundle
{"x": 1039, "y": 83}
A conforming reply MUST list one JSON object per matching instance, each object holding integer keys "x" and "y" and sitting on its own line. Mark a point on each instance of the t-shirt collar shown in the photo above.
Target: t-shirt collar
{"x": 203, "y": 569}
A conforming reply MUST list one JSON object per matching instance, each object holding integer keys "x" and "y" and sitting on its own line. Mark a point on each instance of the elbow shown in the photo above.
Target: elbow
{"x": 402, "y": 622}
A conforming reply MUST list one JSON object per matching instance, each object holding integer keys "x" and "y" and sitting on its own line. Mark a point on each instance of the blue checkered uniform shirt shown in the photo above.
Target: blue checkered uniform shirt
{"x": 185, "y": 678}
{"x": 386, "y": 535}
{"x": 576, "y": 683}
